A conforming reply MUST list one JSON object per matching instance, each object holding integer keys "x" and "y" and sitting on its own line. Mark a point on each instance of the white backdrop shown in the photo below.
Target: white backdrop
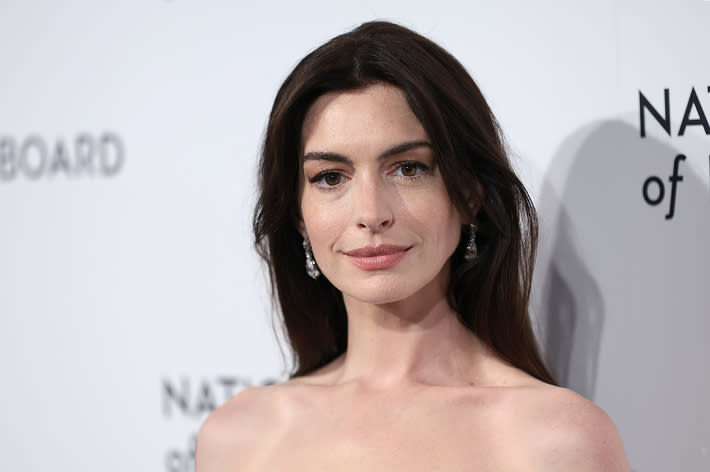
{"x": 131, "y": 300}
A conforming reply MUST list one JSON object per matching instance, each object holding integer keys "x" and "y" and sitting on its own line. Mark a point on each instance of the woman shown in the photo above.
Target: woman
{"x": 401, "y": 246}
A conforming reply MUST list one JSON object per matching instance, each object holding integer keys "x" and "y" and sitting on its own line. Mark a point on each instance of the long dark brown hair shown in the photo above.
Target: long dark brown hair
{"x": 489, "y": 294}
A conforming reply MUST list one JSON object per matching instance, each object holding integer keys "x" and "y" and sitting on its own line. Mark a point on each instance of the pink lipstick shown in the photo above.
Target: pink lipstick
{"x": 381, "y": 257}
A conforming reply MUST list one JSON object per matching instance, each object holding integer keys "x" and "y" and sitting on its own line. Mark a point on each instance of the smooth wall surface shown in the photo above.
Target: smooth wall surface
{"x": 132, "y": 302}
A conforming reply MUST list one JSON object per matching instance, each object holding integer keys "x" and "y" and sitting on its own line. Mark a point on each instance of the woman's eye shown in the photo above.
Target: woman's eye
{"x": 411, "y": 169}
{"x": 328, "y": 179}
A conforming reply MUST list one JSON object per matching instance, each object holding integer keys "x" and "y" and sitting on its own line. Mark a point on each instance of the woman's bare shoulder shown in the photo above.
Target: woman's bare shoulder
{"x": 565, "y": 431}
{"x": 228, "y": 435}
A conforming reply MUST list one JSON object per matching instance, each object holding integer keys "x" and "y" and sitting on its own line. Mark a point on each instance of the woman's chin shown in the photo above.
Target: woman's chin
{"x": 379, "y": 292}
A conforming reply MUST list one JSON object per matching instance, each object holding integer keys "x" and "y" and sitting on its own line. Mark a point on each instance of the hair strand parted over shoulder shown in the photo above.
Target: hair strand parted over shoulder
{"x": 489, "y": 294}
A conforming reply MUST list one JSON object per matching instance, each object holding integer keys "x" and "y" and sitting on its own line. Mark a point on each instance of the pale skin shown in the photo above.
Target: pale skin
{"x": 415, "y": 390}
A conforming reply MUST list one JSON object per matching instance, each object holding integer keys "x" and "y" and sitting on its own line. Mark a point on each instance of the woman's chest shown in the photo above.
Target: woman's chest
{"x": 397, "y": 438}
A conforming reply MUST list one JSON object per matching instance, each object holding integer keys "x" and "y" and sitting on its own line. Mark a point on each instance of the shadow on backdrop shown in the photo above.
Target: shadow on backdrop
{"x": 600, "y": 237}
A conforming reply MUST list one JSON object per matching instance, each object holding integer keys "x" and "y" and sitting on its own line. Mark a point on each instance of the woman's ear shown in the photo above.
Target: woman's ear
{"x": 475, "y": 198}
{"x": 300, "y": 225}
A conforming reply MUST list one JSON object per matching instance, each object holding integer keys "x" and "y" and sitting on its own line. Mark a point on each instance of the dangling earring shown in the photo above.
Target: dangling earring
{"x": 471, "y": 249}
{"x": 311, "y": 267}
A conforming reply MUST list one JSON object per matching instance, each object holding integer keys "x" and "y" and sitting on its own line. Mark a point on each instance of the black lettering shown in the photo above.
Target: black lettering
{"x": 172, "y": 396}
{"x": 674, "y": 179}
{"x": 111, "y": 153}
{"x": 664, "y": 121}
{"x": 228, "y": 383}
{"x": 173, "y": 461}
{"x": 60, "y": 161}
{"x": 8, "y": 167}
{"x": 205, "y": 400}
{"x": 191, "y": 447}
{"x": 33, "y": 170}
{"x": 693, "y": 101}
{"x": 661, "y": 190}
{"x": 84, "y": 149}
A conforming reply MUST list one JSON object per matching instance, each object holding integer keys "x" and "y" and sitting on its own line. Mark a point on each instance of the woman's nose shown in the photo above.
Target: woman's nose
{"x": 373, "y": 206}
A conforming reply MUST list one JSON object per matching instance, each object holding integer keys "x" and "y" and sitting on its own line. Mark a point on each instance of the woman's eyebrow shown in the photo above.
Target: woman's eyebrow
{"x": 326, "y": 156}
{"x": 404, "y": 147}
{"x": 394, "y": 150}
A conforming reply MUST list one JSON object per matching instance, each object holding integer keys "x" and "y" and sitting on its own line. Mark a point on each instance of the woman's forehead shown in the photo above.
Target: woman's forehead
{"x": 374, "y": 116}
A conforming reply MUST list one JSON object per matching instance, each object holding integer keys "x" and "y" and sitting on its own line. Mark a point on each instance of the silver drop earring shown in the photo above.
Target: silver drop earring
{"x": 311, "y": 267}
{"x": 471, "y": 249}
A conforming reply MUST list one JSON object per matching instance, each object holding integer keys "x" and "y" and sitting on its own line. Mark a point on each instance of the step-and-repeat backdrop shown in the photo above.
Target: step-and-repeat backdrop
{"x": 132, "y": 302}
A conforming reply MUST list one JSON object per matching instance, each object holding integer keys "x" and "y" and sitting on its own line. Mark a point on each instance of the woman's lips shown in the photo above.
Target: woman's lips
{"x": 381, "y": 257}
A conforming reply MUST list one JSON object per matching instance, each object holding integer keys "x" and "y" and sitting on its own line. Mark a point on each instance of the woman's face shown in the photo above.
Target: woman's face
{"x": 373, "y": 202}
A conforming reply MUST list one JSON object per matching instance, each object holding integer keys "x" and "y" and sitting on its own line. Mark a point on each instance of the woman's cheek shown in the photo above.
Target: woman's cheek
{"x": 324, "y": 223}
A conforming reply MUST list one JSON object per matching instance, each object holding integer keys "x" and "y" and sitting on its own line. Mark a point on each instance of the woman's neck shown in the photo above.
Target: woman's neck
{"x": 409, "y": 342}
